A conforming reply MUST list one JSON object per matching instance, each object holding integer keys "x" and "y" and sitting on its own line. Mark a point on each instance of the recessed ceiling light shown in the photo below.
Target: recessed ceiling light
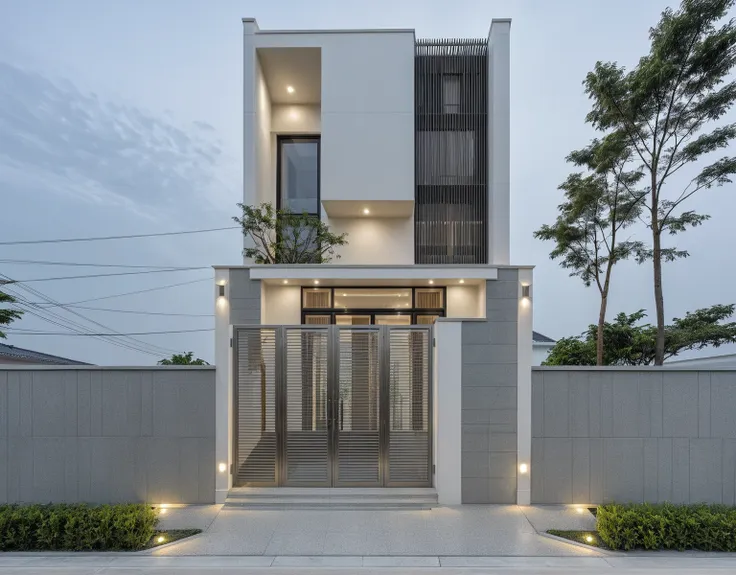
{"x": 344, "y": 295}
{"x": 290, "y": 89}
{"x": 431, "y": 282}
{"x": 286, "y": 281}
{"x": 366, "y": 211}
{"x": 462, "y": 281}
{"x": 316, "y": 282}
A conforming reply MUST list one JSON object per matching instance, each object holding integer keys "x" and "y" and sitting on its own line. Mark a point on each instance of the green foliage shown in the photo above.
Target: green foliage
{"x": 626, "y": 342}
{"x": 282, "y": 237}
{"x": 7, "y": 316}
{"x": 664, "y": 108}
{"x": 76, "y": 527}
{"x": 667, "y": 526}
{"x": 183, "y": 359}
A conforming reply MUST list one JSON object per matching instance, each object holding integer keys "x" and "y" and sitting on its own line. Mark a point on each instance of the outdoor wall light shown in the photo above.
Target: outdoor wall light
{"x": 221, "y": 290}
{"x": 526, "y": 291}
{"x": 523, "y": 468}
{"x": 222, "y": 467}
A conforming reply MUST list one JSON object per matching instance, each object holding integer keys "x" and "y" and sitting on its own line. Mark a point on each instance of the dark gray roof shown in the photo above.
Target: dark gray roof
{"x": 539, "y": 338}
{"x": 19, "y": 353}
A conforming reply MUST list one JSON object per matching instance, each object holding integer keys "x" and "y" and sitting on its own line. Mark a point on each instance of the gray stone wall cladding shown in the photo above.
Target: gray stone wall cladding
{"x": 107, "y": 435}
{"x": 489, "y": 391}
{"x": 655, "y": 434}
{"x": 245, "y": 298}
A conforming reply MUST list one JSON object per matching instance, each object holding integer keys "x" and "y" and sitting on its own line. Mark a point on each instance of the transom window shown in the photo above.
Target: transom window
{"x": 372, "y": 306}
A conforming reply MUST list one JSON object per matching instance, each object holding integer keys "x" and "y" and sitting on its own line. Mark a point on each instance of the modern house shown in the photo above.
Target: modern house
{"x": 12, "y": 355}
{"x": 405, "y": 362}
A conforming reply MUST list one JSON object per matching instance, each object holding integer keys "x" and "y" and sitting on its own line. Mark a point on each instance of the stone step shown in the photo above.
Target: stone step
{"x": 331, "y": 498}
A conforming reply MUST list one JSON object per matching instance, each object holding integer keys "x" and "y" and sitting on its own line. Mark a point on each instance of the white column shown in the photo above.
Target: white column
{"x": 250, "y": 127}
{"x": 448, "y": 411}
{"x": 499, "y": 141}
{"x": 223, "y": 386}
{"x": 524, "y": 390}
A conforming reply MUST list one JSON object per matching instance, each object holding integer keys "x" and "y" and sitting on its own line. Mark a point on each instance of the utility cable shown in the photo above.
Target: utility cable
{"x": 105, "y": 238}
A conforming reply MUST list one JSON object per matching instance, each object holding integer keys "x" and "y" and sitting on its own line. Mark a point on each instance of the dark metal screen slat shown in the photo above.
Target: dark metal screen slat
{"x": 451, "y": 152}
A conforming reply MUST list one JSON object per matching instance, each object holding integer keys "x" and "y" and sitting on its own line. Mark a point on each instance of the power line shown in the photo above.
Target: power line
{"x": 135, "y": 292}
{"x": 103, "y": 275}
{"x": 140, "y": 312}
{"x": 77, "y": 264}
{"x": 105, "y": 238}
{"x": 18, "y": 331}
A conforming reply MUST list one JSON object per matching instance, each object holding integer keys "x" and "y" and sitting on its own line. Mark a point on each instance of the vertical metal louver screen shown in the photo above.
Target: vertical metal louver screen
{"x": 256, "y": 407}
{"x": 409, "y": 396}
{"x": 451, "y": 151}
{"x": 306, "y": 435}
{"x": 358, "y": 397}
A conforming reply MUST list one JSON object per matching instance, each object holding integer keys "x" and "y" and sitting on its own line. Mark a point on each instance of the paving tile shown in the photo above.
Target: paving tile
{"x": 317, "y": 561}
{"x": 401, "y": 561}
{"x": 302, "y": 543}
{"x": 352, "y": 543}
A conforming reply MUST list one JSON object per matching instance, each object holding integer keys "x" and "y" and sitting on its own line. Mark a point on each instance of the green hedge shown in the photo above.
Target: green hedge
{"x": 668, "y": 526}
{"x": 76, "y": 527}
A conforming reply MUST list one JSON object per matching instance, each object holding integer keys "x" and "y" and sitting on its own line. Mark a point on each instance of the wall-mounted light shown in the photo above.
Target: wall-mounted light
{"x": 523, "y": 468}
{"x": 526, "y": 291}
{"x": 221, "y": 290}
{"x": 222, "y": 467}
{"x": 290, "y": 89}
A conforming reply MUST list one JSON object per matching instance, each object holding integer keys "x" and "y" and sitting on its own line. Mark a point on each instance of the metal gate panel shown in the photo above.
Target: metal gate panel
{"x": 255, "y": 437}
{"x": 356, "y": 407}
{"x": 409, "y": 437}
{"x": 306, "y": 432}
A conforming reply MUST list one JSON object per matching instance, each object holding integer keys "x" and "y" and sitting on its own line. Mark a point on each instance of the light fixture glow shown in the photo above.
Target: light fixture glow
{"x": 221, "y": 290}
{"x": 461, "y": 281}
{"x": 163, "y": 506}
{"x": 222, "y": 467}
{"x": 526, "y": 291}
{"x": 161, "y": 539}
{"x": 366, "y": 211}
{"x": 290, "y": 89}
{"x": 589, "y": 538}
{"x": 344, "y": 295}
{"x": 162, "y": 511}
{"x": 316, "y": 282}
{"x": 286, "y": 282}
{"x": 523, "y": 468}
{"x": 430, "y": 282}
{"x": 580, "y": 510}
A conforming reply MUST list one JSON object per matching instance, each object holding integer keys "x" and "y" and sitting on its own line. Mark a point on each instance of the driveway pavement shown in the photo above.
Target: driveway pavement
{"x": 469, "y": 530}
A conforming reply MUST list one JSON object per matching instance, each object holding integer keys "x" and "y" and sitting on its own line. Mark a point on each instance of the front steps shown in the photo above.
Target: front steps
{"x": 331, "y": 498}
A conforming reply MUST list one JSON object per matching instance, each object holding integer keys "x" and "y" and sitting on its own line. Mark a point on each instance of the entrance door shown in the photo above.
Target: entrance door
{"x": 333, "y": 405}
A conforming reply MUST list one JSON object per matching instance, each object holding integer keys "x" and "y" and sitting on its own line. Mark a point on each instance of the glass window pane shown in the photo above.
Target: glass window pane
{"x": 353, "y": 319}
{"x": 300, "y": 176}
{"x": 426, "y": 319}
{"x": 373, "y": 298}
{"x": 313, "y": 319}
{"x": 394, "y": 319}
{"x": 316, "y": 298}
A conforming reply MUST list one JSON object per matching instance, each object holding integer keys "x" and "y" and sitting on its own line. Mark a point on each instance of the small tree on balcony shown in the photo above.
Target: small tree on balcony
{"x": 282, "y": 237}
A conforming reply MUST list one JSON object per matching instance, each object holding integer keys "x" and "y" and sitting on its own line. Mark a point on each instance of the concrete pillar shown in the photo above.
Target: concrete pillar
{"x": 447, "y": 404}
{"x": 524, "y": 389}
{"x": 223, "y": 386}
{"x": 499, "y": 141}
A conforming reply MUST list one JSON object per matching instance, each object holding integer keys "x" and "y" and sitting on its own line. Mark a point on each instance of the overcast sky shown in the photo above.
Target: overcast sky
{"x": 124, "y": 117}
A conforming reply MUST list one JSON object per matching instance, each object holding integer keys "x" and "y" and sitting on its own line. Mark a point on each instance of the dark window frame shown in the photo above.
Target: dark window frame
{"x": 294, "y": 138}
{"x": 373, "y": 312}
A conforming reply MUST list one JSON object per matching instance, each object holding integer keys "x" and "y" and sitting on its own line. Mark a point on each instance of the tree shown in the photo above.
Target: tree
{"x": 597, "y": 207}
{"x": 662, "y": 107}
{"x": 183, "y": 359}
{"x": 7, "y": 316}
{"x": 283, "y": 237}
{"x": 627, "y": 343}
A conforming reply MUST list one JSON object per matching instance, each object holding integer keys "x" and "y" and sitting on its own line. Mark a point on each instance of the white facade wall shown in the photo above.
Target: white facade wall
{"x": 462, "y": 301}
{"x": 294, "y": 119}
{"x": 379, "y": 241}
{"x": 281, "y": 304}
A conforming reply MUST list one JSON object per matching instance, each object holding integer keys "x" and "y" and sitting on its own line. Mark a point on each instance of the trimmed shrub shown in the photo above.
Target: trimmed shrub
{"x": 668, "y": 526}
{"x": 77, "y": 527}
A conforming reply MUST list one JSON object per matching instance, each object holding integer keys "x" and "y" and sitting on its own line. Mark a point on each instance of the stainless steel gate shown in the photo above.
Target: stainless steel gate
{"x": 332, "y": 406}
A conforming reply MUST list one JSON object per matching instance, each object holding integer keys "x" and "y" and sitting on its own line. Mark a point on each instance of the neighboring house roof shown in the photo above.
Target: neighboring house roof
{"x": 724, "y": 360}
{"x": 20, "y": 354}
{"x": 539, "y": 338}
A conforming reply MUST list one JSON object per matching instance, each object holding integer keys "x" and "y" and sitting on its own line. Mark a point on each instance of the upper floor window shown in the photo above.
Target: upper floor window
{"x": 298, "y": 174}
{"x": 451, "y": 93}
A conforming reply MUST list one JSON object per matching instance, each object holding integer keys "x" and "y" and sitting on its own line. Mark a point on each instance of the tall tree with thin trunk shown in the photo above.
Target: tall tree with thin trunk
{"x": 663, "y": 107}
{"x": 597, "y": 208}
